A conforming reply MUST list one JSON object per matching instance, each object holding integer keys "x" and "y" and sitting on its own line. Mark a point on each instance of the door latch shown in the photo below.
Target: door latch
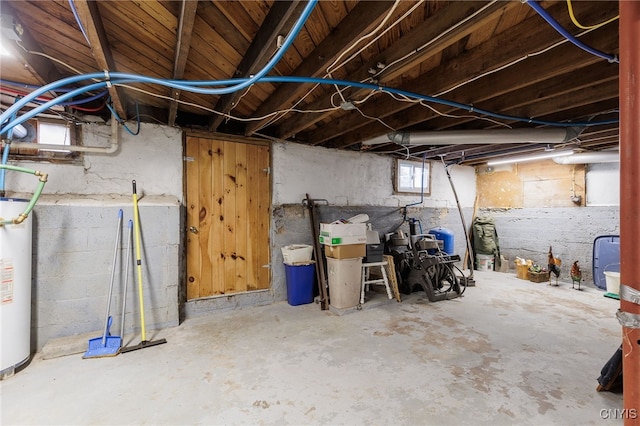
{"x": 193, "y": 229}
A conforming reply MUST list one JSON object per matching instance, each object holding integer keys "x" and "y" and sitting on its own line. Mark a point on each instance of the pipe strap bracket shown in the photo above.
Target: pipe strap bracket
{"x": 629, "y": 294}
{"x": 628, "y": 320}
{"x": 107, "y": 78}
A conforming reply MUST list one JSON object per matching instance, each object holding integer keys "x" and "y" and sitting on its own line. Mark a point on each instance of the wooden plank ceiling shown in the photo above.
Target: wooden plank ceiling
{"x": 495, "y": 56}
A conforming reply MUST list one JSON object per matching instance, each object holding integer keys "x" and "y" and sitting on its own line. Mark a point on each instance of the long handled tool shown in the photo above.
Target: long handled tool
{"x": 126, "y": 277}
{"x": 107, "y": 345}
{"x": 144, "y": 343}
{"x": 312, "y": 204}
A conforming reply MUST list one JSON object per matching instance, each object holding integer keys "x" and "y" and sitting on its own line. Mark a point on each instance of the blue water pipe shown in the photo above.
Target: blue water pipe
{"x": 566, "y": 34}
{"x": 124, "y": 125}
{"x": 241, "y": 83}
{"x": 238, "y": 84}
{"x": 193, "y": 86}
{"x": 5, "y": 159}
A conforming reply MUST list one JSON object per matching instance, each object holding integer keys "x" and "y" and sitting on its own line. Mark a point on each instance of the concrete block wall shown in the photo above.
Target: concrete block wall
{"x": 571, "y": 231}
{"x": 73, "y": 251}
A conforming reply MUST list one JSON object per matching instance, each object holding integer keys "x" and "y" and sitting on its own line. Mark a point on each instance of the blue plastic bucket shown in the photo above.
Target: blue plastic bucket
{"x": 300, "y": 280}
{"x": 446, "y": 236}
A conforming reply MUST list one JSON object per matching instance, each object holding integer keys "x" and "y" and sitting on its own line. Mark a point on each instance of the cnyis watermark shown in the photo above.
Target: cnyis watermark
{"x": 619, "y": 413}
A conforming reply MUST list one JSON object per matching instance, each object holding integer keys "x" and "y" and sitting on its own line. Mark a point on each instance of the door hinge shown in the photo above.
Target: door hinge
{"x": 266, "y": 266}
{"x": 267, "y": 170}
{"x": 189, "y": 159}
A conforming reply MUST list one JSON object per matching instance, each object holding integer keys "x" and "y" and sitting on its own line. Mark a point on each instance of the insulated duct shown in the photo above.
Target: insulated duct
{"x": 590, "y": 158}
{"x": 489, "y": 136}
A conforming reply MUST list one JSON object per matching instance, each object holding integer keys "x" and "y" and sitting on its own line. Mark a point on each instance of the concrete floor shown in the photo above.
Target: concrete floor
{"x": 508, "y": 352}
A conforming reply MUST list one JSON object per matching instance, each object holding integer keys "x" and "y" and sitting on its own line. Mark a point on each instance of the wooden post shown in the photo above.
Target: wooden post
{"x": 629, "y": 313}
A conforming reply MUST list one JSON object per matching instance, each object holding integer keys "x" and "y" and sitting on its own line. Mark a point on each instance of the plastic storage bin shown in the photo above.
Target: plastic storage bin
{"x": 345, "y": 279}
{"x": 300, "y": 280}
{"x": 612, "y": 281}
{"x": 606, "y": 257}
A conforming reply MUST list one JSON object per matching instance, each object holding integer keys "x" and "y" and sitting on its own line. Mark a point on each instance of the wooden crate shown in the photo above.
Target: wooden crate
{"x": 538, "y": 277}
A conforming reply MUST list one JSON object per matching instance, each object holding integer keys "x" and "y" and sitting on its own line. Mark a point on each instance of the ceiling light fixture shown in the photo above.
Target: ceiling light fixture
{"x": 534, "y": 157}
{"x": 489, "y": 136}
{"x": 590, "y": 157}
{"x": 10, "y": 30}
{"x": 3, "y": 50}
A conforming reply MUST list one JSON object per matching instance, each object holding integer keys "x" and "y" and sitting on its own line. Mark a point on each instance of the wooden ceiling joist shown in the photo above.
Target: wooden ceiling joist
{"x": 277, "y": 23}
{"x": 364, "y": 17}
{"x": 94, "y": 28}
{"x": 562, "y": 59}
{"x": 442, "y": 31}
{"x": 188, "y": 10}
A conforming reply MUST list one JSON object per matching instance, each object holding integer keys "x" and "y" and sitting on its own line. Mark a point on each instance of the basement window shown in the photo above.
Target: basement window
{"x": 54, "y": 135}
{"x": 412, "y": 177}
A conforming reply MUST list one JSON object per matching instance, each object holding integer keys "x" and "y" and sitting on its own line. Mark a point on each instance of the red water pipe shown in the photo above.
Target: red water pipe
{"x": 629, "y": 313}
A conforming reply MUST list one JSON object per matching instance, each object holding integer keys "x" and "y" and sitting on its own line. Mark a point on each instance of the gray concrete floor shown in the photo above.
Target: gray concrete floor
{"x": 508, "y": 352}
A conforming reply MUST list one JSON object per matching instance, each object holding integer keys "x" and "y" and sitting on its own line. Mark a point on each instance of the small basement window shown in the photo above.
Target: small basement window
{"x": 51, "y": 134}
{"x": 413, "y": 177}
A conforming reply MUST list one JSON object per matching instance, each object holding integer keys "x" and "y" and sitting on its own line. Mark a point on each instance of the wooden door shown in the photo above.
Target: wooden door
{"x": 228, "y": 214}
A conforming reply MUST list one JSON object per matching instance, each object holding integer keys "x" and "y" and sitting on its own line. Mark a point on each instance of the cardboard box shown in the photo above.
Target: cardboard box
{"x": 346, "y": 251}
{"x": 335, "y": 234}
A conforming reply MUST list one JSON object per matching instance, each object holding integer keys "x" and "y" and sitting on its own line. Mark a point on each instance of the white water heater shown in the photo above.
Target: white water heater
{"x": 15, "y": 287}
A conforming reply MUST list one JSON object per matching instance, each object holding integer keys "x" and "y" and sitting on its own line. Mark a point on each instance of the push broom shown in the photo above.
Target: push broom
{"x": 144, "y": 343}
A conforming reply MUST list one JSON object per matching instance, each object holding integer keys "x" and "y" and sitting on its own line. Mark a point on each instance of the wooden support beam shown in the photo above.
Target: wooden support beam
{"x": 277, "y": 22}
{"x": 629, "y": 312}
{"x": 183, "y": 42}
{"x": 364, "y": 17}
{"x": 92, "y": 22}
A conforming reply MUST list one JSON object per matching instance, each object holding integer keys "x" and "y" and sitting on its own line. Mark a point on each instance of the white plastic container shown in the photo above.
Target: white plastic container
{"x": 15, "y": 288}
{"x": 613, "y": 281}
{"x": 297, "y": 253}
{"x": 484, "y": 262}
{"x": 345, "y": 279}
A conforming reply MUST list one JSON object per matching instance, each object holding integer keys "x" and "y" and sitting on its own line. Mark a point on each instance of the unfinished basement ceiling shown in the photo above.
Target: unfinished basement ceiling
{"x": 480, "y": 57}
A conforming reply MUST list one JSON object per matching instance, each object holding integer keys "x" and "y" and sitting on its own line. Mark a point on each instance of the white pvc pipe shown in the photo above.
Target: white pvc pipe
{"x": 590, "y": 158}
{"x": 113, "y": 146}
